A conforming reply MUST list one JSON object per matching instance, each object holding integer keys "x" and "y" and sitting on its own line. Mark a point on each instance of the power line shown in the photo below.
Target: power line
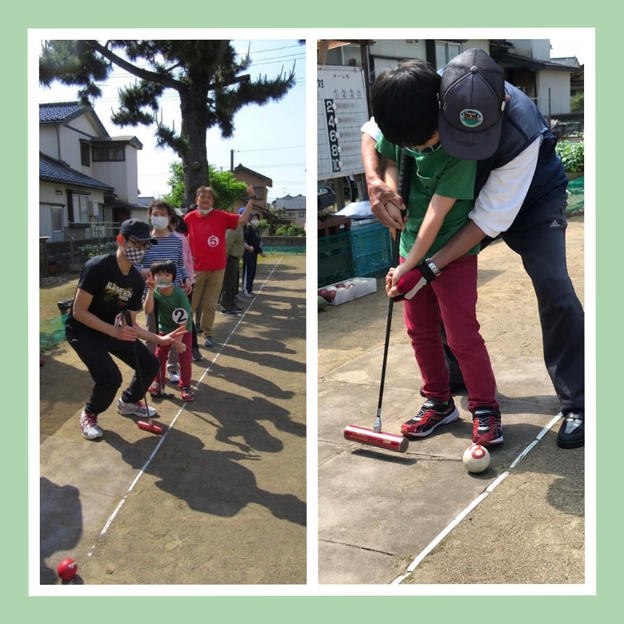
{"x": 269, "y": 149}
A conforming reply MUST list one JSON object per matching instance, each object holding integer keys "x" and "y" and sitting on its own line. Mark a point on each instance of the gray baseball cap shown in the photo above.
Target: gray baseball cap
{"x": 472, "y": 101}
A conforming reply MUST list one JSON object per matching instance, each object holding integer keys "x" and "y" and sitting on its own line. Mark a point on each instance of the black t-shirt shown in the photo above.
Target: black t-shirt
{"x": 113, "y": 292}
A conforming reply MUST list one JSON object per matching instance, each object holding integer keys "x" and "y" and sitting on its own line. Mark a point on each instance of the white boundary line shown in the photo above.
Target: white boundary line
{"x": 142, "y": 471}
{"x": 473, "y": 504}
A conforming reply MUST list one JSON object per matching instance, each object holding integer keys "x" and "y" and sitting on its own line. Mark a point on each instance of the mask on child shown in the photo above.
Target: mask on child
{"x": 160, "y": 223}
{"x": 204, "y": 212}
{"x": 254, "y": 222}
{"x": 135, "y": 254}
{"x": 162, "y": 282}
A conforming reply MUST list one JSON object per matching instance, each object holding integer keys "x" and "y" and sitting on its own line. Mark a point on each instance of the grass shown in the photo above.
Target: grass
{"x": 63, "y": 288}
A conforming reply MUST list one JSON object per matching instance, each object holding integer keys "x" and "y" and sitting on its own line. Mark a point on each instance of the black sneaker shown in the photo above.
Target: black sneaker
{"x": 197, "y": 356}
{"x": 572, "y": 431}
{"x": 432, "y": 414}
{"x": 229, "y": 312}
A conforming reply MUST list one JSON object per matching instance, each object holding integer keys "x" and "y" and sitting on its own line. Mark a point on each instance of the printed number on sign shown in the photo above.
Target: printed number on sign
{"x": 179, "y": 316}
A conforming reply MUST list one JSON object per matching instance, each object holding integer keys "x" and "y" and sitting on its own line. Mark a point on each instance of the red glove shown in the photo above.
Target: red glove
{"x": 409, "y": 284}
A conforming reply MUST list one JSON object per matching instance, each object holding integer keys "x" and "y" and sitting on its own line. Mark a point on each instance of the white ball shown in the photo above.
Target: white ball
{"x": 476, "y": 458}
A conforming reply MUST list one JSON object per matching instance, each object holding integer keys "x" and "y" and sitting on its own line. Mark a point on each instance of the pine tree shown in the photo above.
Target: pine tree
{"x": 208, "y": 76}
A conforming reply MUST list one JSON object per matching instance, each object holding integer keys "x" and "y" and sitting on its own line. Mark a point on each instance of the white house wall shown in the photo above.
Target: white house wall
{"x": 553, "y": 86}
{"x": 52, "y": 194}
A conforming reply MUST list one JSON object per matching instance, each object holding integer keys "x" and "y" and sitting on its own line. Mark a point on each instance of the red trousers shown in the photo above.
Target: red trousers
{"x": 451, "y": 300}
{"x": 184, "y": 360}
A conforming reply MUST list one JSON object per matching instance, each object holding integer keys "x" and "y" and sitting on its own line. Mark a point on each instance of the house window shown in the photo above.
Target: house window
{"x": 56, "y": 218}
{"x": 81, "y": 208}
{"x": 445, "y": 51}
{"x": 85, "y": 154}
{"x": 109, "y": 154}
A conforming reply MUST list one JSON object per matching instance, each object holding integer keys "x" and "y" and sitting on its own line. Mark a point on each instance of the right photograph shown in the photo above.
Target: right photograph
{"x": 451, "y": 324}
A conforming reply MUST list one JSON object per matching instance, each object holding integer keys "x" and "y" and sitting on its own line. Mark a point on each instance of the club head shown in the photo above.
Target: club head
{"x": 388, "y": 441}
{"x": 151, "y": 427}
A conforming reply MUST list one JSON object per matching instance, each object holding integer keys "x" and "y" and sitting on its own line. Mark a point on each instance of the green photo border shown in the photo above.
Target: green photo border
{"x": 330, "y": 17}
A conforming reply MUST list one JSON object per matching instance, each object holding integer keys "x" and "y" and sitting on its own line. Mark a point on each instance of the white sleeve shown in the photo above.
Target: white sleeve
{"x": 372, "y": 129}
{"x": 501, "y": 198}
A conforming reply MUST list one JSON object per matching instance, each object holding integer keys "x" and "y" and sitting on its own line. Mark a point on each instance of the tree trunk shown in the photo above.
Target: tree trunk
{"x": 194, "y": 129}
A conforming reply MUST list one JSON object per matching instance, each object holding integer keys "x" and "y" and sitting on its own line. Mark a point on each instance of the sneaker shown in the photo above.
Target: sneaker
{"x": 135, "y": 409}
{"x": 432, "y": 414}
{"x": 230, "y": 312}
{"x": 186, "y": 394}
{"x": 173, "y": 376}
{"x": 155, "y": 390}
{"x": 89, "y": 426}
{"x": 208, "y": 342}
{"x": 196, "y": 355}
{"x": 246, "y": 294}
{"x": 487, "y": 429}
{"x": 572, "y": 431}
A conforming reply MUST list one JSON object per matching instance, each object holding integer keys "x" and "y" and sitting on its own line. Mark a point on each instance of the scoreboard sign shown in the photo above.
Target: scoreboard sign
{"x": 342, "y": 109}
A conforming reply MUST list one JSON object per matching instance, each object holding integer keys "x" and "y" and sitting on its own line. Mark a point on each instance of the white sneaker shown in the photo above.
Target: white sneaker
{"x": 135, "y": 409}
{"x": 174, "y": 378}
{"x": 89, "y": 426}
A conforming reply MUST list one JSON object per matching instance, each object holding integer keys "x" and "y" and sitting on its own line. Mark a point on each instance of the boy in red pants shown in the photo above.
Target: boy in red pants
{"x": 441, "y": 196}
{"x": 172, "y": 310}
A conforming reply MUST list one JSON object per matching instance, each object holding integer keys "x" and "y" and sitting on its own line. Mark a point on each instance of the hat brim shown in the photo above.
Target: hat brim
{"x": 152, "y": 241}
{"x": 469, "y": 145}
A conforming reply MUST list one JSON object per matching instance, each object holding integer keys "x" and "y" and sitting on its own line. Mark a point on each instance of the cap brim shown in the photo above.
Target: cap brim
{"x": 476, "y": 145}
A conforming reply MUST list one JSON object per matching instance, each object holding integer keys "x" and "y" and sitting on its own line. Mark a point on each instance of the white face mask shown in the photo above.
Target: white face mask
{"x": 254, "y": 222}
{"x": 160, "y": 223}
{"x": 162, "y": 282}
{"x": 204, "y": 211}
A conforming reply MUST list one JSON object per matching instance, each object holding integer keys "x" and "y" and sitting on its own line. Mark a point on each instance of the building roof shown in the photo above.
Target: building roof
{"x": 52, "y": 170}
{"x": 64, "y": 112}
{"x": 241, "y": 168}
{"x": 515, "y": 60}
{"x": 290, "y": 202}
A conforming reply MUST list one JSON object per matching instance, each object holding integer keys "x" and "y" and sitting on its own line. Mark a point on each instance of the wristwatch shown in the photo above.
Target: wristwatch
{"x": 429, "y": 269}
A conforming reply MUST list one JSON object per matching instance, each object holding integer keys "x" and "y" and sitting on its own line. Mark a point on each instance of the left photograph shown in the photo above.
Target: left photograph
{"x": 172, "y": 327}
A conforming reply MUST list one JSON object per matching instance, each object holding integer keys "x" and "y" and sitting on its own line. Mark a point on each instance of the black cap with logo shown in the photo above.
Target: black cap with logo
{"x": 472, "y": 101}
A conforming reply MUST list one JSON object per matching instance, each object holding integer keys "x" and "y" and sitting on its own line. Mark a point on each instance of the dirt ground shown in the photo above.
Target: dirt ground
{"x": 377, "y": 516}
{"x": 507, "y": 310}
{"x": 221, "y": 497}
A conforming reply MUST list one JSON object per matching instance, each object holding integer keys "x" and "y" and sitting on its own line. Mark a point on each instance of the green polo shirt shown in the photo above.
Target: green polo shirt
{"x": 435, "y": 172}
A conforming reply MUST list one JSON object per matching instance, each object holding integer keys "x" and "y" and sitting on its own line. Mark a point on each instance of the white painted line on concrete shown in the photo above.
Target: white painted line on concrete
{"x": 472, "y": 505}
{"x": 142, "y": 471}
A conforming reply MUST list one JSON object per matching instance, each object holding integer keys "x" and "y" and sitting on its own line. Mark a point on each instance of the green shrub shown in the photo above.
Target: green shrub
{"x": 290, "y": 230}
{"x": 572, "y": 154}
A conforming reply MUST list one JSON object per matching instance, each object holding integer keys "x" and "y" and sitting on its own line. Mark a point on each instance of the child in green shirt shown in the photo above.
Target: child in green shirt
{"x": 441, "y": 195}
{"x": 172, "y": 310}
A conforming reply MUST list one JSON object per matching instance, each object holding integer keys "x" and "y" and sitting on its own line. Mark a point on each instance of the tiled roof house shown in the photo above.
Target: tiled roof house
{"x": 87, "y": 179}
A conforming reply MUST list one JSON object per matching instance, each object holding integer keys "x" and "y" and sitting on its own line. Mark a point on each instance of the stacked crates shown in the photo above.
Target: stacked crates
{"x": 371, "y": 249}
{"x": 363, "y": 250}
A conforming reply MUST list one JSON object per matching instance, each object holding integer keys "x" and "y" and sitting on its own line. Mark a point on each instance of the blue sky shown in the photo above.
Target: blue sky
{"x": 269, "y": 139}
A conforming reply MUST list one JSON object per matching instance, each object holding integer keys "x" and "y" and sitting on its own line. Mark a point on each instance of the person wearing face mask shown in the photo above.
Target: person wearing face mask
{"x": 108, "y": 286}
{"x": 253, "y": 248}
{"x": 172, "y": 308}
{"x": 170, "y": 247}
{"x": 206, "y": 235}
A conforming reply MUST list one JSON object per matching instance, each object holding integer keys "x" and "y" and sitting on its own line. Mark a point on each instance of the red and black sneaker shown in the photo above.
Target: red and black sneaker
{"x": 186, "y": 394}
{"x": 432, "y": 414}
{"x": 487, "y": 428}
